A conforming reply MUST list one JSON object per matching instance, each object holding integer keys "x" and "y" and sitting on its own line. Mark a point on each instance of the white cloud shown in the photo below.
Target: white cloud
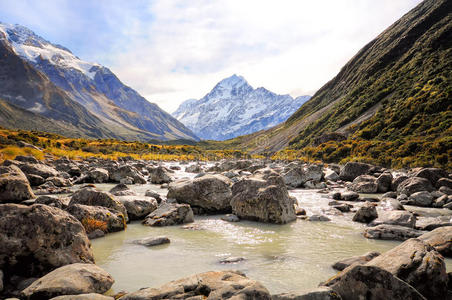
{"x": 286, "y": 46}
{"x": 172, "y": 50}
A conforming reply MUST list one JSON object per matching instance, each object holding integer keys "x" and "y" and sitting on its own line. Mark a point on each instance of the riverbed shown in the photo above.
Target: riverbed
{"x": 290, "y": 257}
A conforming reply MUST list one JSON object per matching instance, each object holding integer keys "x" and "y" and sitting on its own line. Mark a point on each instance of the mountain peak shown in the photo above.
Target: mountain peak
{"x": 234, "y": 108}
{"x": 232, "y": 82}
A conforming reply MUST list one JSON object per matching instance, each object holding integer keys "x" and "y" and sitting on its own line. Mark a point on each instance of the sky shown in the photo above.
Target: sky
{"x": 173, "y": 50}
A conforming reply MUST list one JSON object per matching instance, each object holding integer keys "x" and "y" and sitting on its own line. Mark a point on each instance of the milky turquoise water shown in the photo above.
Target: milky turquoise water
{"x": 290, "y": 257}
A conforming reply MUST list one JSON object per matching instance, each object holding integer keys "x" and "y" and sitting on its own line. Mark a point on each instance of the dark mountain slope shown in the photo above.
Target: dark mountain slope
{"x": 26, "y": 88}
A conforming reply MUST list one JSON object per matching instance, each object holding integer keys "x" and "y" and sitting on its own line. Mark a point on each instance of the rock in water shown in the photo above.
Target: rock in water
{"x": 153, "y": 241}
{"x": 440, "y": 239}
{"x": 209, "y": 285}
{"x": 395, "y": 217}
{"x": 160, "y": 175}
{"x": 366, "y": 213}
{"x": 138, "y": 207}
{"x": 122, "y": 189}
{"x": 37, "y": 239}
{"x": 391, "y": 232}
{"x": 70, "y": 280}
{"x": 263, "y": 197}
{"x": 370, "y": 282}
{"x": 417, "y": 263}
{"x": 14, "y": 185}
{"x": 98, "y": 175}
{"x": 212, "y": 193}
{"x": 170, "y": 214}
{"x": 93, "y": 197}
{"x": 345, "y": 263}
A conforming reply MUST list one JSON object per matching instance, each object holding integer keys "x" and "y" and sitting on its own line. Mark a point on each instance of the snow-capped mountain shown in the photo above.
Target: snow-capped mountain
{"x": 95, "y": 87}
{"x": 234, "y": 108}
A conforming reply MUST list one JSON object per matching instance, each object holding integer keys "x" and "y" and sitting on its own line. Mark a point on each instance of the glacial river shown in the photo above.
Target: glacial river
{"x": 290, "y": 257}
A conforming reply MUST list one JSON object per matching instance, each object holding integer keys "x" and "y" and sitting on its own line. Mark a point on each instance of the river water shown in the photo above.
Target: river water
{"x": 291, "y": 257}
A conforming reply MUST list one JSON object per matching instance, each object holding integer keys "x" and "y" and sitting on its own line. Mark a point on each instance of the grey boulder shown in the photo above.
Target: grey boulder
{"x": 70, "y": 280}
{"x": 209, "y": 285}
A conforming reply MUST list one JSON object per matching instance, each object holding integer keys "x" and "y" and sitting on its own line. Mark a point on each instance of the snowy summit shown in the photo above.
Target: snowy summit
{"x": 233, "y": 108}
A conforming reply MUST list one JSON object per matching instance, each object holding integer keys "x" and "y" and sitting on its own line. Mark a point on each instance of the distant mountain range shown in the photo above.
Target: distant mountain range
{"x": 233, "y": 108}
{"x": 45, "y": 87}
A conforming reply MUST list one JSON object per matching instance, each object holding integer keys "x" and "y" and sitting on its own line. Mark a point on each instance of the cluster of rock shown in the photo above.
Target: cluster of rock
{"x": 45, "y": 249}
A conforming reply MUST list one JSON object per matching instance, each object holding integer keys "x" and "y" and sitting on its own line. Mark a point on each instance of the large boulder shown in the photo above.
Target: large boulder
{"x": 361, "y": 260}
{"x": 14, "y": 186}
{"x": 294, "y": 177}
{"x": 391, "y": 232}
{"x": 384, "y": 182}
{"x": 98, "y": 175}
{"x": 364, "y": 184}
{"x": 159, "y": 175}
{"x": 209, "y": 285}
{"x": 440, "y": 239}
{"x": 431, "y": 174}
{"x": 397, "y": 181}
{"x": 297, "y": 176}
{"x": 263, "y": 197}
{"x": 211, "y": 193}
{"x": 351, "y": 170}
{"x": 370, "y": 282}
{"x": 366, "y": 213}
{"x": 320, "y": 293}
{"x": 417, "y": 263}
{"x": 93, "y": 197}
{"x": 413, "y": 185}
{"x": 37, "y": 239}
{"x": 38, "y": 169}
{"x": 169, "y": 214}
{"x": 124, "y": 171}
{"x": 395, "y": 217}
{"x": 423, "y": 198}
{"x": 98, "y": 217}
{"x": 72, "y": 279}
{"x": 138, "y": 207}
